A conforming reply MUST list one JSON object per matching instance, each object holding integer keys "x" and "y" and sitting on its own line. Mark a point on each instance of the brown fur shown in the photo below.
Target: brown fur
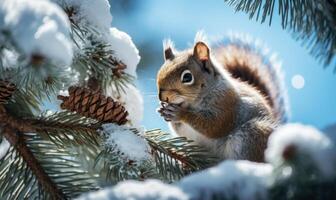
{"x": 245, "y": 65}
{"x": 212, "y": 125}
{"x": 235, "y": 109}
{"x": 230, "y": 111}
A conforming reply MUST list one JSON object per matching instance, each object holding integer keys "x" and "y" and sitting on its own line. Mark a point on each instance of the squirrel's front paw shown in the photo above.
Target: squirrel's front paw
{"x": 170, "y": 112}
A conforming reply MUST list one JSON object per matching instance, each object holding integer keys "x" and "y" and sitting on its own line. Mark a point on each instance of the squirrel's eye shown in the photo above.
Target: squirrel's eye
{"x": 187, "y": 77}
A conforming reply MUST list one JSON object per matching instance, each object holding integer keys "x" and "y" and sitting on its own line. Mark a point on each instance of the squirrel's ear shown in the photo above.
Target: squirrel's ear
{"x": 201, "y": 51}
{"x": 202, "y": 55}
{"x": 169, "y": 54}
{"x": 168, "y": 50}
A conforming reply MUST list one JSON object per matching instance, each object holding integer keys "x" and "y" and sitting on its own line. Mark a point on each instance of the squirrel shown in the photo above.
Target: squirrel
{"x": 227, "y": 98}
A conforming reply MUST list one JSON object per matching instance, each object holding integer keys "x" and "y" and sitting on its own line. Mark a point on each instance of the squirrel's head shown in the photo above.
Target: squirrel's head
{"x": 187, "y": 75}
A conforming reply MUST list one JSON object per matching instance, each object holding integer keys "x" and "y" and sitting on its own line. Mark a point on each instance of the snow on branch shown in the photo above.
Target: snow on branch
{"x": 106, "y": 48}
{"x": 36, "y": 27}
{"x": 4, "y": 146}
{"x": 241, "y": 179}
{"x": 125, "y": 154}
{"x": 87, "y": 12}
{"x": 97, "y": 15}
{"x": 293, "y": 142}
{"x": 132, "y": 146}
{"x": 8, "y": 59}
{"x": 147, "y": 190}
{"x": 124, "y": 49}
{"x": 231, "y": 180}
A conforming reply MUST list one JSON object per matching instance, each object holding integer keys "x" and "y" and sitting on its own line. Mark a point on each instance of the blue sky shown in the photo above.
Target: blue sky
{"x": 154, "y": 20}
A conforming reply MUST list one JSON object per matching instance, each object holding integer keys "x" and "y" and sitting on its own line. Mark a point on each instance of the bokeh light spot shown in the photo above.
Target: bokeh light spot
{"x": 298, "y": 81}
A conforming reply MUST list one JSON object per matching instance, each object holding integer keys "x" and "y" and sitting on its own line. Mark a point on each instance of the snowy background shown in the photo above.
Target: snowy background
{"x": 310, "y": 87}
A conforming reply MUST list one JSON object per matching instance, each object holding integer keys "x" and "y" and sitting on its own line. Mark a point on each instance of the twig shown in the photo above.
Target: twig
{"x": 20, "y": 125}
{"x": 18, "y": 142}
{"x": 36, "y": 125}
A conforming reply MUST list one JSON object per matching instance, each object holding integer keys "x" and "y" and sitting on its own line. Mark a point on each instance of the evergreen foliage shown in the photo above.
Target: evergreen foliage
{"x": 312, "y": 22}
{"x": 63, "y": 154}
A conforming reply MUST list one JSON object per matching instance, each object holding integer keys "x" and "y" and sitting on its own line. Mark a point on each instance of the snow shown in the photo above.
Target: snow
{"x": 48, "y": 113}
{"x": 231, "y": 179}
{"x": 238, "y": 179}
{"x": 132, "y": 101}
{"x": 96, "y": 13}
{"x": 91, "y": 12}
{"x": 147, "y": 190}
{"x": 4, "y": 146}
{"x": 64, "y": 93}
{"x": 8, "y": 59}
{"x": 37, "y": 27}
{"x": 124, "y": 49}
{"x": 309, "y": 143}
{"x": 133, "y": 146}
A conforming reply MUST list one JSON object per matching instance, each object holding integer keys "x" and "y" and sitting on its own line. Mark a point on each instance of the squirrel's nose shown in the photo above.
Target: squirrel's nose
{"x": 160, "y": 94}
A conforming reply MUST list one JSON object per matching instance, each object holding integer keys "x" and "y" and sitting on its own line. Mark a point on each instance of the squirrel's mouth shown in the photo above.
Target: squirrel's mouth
{"x": 173, "y": 100}
{"x": 177, "y": 100}
{"x": 170, "y": 96}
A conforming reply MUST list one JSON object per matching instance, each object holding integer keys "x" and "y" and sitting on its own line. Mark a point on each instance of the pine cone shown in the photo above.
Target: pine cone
{"x": 119, "y": 67}
{"x": 94, "y": 105}
{"x": 6, "y": 91}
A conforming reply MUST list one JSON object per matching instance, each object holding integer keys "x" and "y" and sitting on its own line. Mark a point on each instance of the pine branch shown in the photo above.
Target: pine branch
{"x": 33, "y": 166}
{"x": 64, "y": 128}
{"x": 119, "y": 165}
{"x": 15, "y": 174}
{"x": 16, "y": 101}
{"x": 115, "y": 168}
{"x": 61, "y": 120}
{"x": 171, "y": 159}
{"x": 98, "y": 59}
{"x": 177, "y": 157}
{"x": 58, "y": 163}
{"x": 23, "y": 103}
{"x": 96, "y": 56}
{"x": 18, "y": 142}
{"x": 313, "y": 22}
{"x": 35, "y": 74}
{"x": 65, "y": 166}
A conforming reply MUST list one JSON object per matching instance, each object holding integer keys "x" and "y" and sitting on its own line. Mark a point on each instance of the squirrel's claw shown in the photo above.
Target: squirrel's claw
{"x": 170, "y": 112}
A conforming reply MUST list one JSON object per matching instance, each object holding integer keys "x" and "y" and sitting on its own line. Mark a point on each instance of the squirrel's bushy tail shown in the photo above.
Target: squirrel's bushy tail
{"x": 249, "y": 62}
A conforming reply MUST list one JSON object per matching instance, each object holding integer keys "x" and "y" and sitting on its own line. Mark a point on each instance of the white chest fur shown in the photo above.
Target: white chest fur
{"x": 225, "y": 148}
